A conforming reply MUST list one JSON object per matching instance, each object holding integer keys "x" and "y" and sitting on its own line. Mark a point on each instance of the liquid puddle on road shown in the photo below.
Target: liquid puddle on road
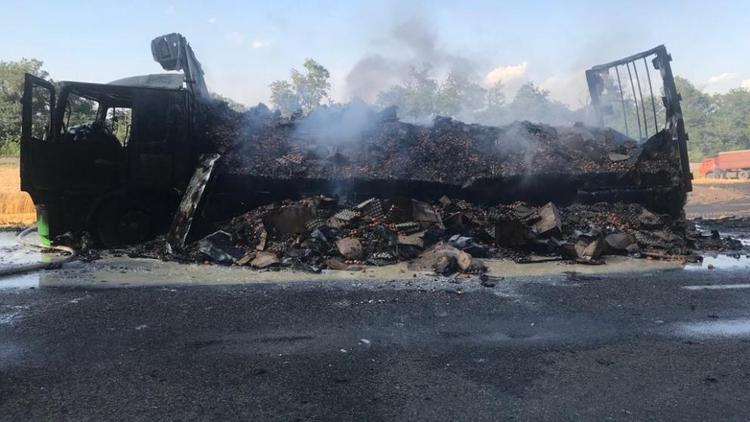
{"x": 714, "y": 329}
{"x": 722, "y": 262}
{"x": 119, "y": 272}
{"x": 12, "y": 254}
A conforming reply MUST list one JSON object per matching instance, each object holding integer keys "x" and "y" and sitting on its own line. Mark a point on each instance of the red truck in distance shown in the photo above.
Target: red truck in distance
{"x": 727, "y": 165}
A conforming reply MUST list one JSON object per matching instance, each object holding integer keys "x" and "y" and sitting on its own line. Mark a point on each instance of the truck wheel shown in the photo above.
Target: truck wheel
{"x": 122, "y": 222}
{"x": 714, "y": 175}
{"x": 744, "y": 175}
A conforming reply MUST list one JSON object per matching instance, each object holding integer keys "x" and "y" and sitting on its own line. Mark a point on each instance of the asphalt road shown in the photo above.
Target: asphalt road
{"x": 624, "y": 347}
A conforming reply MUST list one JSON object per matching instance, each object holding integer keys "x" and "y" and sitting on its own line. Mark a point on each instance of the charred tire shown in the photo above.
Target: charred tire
{"x": 122, "y": 222}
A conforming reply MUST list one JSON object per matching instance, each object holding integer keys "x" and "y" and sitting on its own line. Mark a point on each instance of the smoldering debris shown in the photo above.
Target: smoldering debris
{"x": 350, "y": 186}
{"x": 358, "y": 142}
{"x": 447, "y": 236}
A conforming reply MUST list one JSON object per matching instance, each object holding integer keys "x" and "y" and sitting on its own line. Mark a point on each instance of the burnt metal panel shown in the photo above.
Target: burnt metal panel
{"x": 159, "y": 148}
{"x": 29, "y": 143}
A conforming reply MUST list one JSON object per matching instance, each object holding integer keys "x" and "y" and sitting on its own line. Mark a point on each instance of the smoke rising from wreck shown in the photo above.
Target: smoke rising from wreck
{"x": 416, "y": 44}
{"x": 412, "y": 61}
{"x": 338, "y": 124}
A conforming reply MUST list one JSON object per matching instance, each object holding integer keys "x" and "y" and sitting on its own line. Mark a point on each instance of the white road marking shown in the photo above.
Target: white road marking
{"x": 718, "y": 286}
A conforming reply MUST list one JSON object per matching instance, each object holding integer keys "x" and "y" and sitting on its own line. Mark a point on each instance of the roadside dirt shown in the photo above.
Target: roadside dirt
{"x": 16, "y": 207}
{"x": 719, "y": 200}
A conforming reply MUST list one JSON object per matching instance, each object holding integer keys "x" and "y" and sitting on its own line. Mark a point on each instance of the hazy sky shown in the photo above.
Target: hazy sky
{"x": 245, "y": 45}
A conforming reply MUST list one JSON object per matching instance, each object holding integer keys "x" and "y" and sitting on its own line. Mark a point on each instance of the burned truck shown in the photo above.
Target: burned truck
{"x": 117, "y": 159}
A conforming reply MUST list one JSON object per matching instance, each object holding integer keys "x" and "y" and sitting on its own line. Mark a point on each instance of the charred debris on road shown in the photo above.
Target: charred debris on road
{"x": 447, "y": 236}
{"x": 348, "y": 186}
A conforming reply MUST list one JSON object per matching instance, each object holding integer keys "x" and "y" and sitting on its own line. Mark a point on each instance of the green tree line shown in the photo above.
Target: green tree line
{"x": 11, "y": 91}
{"x": 718, "y": 122}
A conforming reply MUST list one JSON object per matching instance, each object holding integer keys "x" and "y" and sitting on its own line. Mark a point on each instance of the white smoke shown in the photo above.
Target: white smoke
{"x": 505, "y": 74}
{"x": 416, "y": 44}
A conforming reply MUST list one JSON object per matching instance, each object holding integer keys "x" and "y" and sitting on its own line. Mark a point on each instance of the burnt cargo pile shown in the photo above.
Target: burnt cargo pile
{"x": 446, "y": 237}
{"x": 349, "y": 186}
{"x": 356, "y": 152}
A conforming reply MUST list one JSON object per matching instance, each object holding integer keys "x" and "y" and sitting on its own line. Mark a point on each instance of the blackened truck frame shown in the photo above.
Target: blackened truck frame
{"x": 674, "y": 123}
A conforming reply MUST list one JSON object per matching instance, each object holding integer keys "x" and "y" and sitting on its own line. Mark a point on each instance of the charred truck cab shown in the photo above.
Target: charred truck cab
{"x": 109, "y": 159}
{"x": 113, "y": 158}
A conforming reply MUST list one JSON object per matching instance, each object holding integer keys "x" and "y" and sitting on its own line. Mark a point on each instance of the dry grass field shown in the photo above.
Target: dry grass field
{"x": 16, "y": 207}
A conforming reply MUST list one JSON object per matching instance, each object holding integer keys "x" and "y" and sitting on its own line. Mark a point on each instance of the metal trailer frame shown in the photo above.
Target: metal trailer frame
{"x": 674, "y": 122}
